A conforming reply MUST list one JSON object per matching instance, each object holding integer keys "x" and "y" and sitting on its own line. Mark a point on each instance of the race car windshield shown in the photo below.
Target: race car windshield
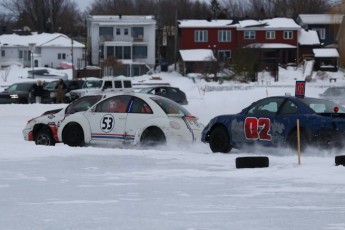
{"x": 322, "y": 106}
{"x": 170, "y": 107}
{"x": 82, "y": 104}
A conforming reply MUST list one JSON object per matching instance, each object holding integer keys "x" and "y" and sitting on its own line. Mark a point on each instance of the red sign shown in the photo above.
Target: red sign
{"x": 300, "y": 89}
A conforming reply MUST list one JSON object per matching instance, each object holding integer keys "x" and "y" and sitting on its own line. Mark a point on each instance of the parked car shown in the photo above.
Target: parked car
{"x": 44, "y": 73}
{"x": 132, "y": 119}
{"x": 335, "y": 93}
{"x": 172, "y": 93}
{"x": 20, "y": 93}
{"x": 71, "y": 85}
{"x": 272, "y": 122}
{"x": 43, "y": 129}
{"x": 106, "y": 84}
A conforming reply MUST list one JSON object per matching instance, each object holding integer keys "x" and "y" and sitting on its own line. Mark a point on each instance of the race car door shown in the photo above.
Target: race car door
{"x": 108, "y": 120}
{"x": 138, "y": 112}
{"x": 259, "y": 123}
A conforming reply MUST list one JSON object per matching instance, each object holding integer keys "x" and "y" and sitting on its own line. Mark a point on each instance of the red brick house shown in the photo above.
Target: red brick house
{"x": 216, "y": 35}
{"x": 274, "y": 41}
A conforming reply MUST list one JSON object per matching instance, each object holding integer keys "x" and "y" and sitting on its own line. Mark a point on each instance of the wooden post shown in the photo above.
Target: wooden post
{"x": 298, "y": 143}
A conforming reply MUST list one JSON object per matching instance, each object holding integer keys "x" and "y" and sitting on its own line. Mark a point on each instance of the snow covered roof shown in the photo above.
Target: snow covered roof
{"x": 41, "y": 40}
{"x": 326, "y": 52}
{"x": 197, "y": 55}
{"x": 320, "y": 18}
{"x": 205, "y": 23}
{"x": 107, "y": 18}
{"x": 274, "y": 23}
{"x": 308, "y": 37}
{"x": 271, "y": 46}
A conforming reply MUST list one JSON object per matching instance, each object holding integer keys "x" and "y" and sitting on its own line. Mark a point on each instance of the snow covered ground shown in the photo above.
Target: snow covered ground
{"x": 182, "y": 188}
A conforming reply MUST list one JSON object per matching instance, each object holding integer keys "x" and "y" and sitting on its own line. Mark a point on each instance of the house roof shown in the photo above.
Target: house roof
{"x": 320, "y": 18}
{"x": 205, "y": 23}
{"x": 326, "y": 52}
{"x": 107, "y": 18}
{"x": 41, "y": 40}
{"x": 197, "y": 55}
{"x": 308, "y": 37}
{"x": 271, "y": 46}
{"x": 274, "y": 24}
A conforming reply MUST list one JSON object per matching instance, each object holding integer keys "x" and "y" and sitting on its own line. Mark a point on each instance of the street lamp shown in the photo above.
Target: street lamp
{"x": 32, "y": 47}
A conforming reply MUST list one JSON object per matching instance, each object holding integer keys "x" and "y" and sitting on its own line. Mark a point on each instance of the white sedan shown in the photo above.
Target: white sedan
{"x": 133, "y": 119}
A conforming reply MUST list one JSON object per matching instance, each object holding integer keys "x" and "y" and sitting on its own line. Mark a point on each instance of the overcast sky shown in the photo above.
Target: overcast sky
{"x": 84, "y": 3}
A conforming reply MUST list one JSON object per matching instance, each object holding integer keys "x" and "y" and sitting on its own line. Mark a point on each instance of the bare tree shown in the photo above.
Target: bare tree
{"x": 336, "y": 10}
{"x": 292, "y": 8}
{"x": 44, "y": 15}
{"x": 215, "y": 9}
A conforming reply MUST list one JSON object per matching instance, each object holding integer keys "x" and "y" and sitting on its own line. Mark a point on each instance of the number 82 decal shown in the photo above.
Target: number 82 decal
{"x": 257, "y": 128}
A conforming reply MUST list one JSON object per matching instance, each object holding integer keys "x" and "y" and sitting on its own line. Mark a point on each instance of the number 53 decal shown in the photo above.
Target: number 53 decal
{"x": 257, "y": 128}
{"x": 107, "y": 123}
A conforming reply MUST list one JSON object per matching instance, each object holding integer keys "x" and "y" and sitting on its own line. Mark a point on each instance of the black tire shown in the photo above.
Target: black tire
{"x": 152, "y": 137}
{"x": 219, "y": 140}
{"x": 340, "y": 160}
{"x": 252, "y": 162}
{"x": 292, "y": 140}
{"x": 73, "y": 135}
{"x": 44, "y": 137}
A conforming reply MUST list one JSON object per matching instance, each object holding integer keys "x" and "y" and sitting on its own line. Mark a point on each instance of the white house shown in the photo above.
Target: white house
{"x": 43, "y": 49}
{"x": 129, "y": 39}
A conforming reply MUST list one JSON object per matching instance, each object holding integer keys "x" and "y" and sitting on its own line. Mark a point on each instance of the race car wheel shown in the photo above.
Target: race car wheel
{"x": 73, "y": 135}
{"x": 44, "y": 137}
{"x": 252, "y": 162}
{"x": 152, "y": 137}
{"x": 292, "y": 141}
{"x": 219, "y": 140}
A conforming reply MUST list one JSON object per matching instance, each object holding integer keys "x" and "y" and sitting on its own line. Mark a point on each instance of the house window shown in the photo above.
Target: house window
{"x": 126, "y": 31}
{"x": 270, "y": 35}
{"x": 126, "y": 52}
{"x": 224, "y": 55}
{"x": 123, "y": 52}
{"x": 138, "y": 33}
{"x": 288, "y": 35}
{"x": 118, "y": 31}
{"x": 249, "y": 34}
{"x": 224, "y": 36}
{"x": 25, "y": 55}
{"x": 106, "y": 31}
{"x": 321, "y": 32}
{"x": 3, "y": 53}
{"x": 139, "y": 52}
{"x": 201, "y": 36}
{"x": 61, "y": 56}
{"x": 118, "y": 52}
{"x": 110, "y": 51}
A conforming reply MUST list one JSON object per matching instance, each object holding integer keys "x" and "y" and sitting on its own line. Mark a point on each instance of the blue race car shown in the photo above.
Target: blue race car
{"x": 272, "y": 121}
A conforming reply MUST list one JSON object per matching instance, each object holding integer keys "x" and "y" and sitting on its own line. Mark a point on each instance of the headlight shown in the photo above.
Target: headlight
{"x": 14, "y": 96}
{"x": 52, "y": 94}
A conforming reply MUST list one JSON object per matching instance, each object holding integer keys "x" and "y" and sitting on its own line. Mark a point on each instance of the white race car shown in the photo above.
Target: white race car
{"x": 131, "y": 118}
{"x": 43, "y": 129}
